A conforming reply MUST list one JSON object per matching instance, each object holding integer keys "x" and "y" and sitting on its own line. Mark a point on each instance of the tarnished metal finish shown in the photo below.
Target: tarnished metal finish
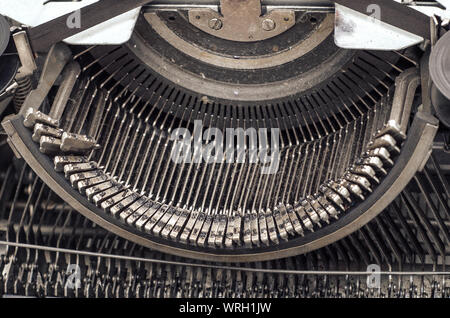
{"x": 43, "y": 130}
{"x": 50, "y": 145}
{"x": 56, "y": 59}
{"x": 296, "y": 51}
{"x": 75, "y": 143}
{"x": 25, "y": 55}
{"x": 69, "y": 76}
{"x": 407, "y": 84}
{"x": 242, "y": 20}
{"x": 348, "y": 151}
{"x": 61, "y": 161}
{"x": 32, "y": 117}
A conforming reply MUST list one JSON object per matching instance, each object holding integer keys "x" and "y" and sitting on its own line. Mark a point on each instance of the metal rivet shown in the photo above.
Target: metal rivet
{"x": 268, "y": 25}
{"x": 215, "y": 24}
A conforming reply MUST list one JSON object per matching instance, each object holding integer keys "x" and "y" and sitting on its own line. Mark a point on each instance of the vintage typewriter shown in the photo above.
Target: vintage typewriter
{"x": 312, "y": 140}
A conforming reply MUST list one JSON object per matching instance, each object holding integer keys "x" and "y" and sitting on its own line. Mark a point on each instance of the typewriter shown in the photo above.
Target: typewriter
{"x": 232, "y": 148}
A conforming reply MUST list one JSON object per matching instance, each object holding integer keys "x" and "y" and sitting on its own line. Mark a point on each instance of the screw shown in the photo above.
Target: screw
{"x": 215, "y": 24}
{"x": 268, "y": 25}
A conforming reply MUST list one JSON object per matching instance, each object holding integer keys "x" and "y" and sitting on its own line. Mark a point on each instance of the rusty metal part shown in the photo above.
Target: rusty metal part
{"x": 242, "y": 21}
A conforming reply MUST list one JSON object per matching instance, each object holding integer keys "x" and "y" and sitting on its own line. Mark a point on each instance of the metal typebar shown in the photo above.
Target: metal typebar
{"x": 412, "y": 158}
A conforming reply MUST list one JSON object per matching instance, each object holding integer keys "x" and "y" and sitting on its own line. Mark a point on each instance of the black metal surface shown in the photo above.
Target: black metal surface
{"x": 9, "y": 64}
{"x": 45, "y": 35}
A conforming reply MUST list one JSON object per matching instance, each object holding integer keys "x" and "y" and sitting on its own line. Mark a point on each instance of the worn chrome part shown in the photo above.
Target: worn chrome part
{"x": 126, "y": 207}
{"x": 176, "y": 231}
{"x": 33, "y": 117}
{"x": 333, "y": 196}
{"x": 117, "y": 198}
{"x": 76, "y": 177}
{"x": 163, "y": 221}
{"x": 359, "y": 180}
{"x": 134, "y": 211}
{"x": 286, "y": 219}
{"x": 49, "y": 145}
{"x": 341, "y": 190}
{"x": 43, "y": 130}
{"x": 376, "y": 163}
{"x": 296, "y": 224}
{"x": 96, "y": 189}
{"x": 61, "y": 161}
{"x": 73, "y": 168}
{"x": 367, "y": 171}
{"x": 82, "y": 185}
{"x": 381, "y": 153}
{"x": 306, "y": 221}
{"x": 169, "y": 227}
{"x": 385, "y": 141}
{"x": 75, "y": 143}
{"x": 99, "y": 198}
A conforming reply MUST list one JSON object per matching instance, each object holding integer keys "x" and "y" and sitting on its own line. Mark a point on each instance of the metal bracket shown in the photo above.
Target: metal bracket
{"x": 25, "y": 55}
{"x": 242, "y": 21}
{"x": 55, "y": 62}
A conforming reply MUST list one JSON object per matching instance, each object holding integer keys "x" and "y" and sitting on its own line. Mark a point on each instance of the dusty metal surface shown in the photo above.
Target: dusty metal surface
{"x": 244, "y": 62}
{"x": 242, "y": 21}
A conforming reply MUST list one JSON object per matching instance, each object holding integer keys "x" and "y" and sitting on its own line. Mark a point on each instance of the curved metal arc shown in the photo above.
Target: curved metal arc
{"x": 414, "y": 153}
